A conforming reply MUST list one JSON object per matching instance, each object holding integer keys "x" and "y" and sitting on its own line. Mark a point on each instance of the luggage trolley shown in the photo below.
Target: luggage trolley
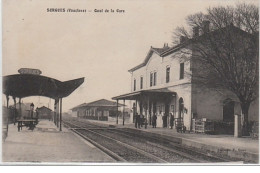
{"x": 179, "y": 125}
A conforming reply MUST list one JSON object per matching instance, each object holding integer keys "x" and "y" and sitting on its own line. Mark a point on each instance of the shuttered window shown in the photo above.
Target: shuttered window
{"x": 181, "y": 70}
{"x": 141, "y": 82}
{"x": 154, "y": 78}
{"x": 151, "y": 79}
{"x": 167, "y": 74}
{"x": 134, "y": 84}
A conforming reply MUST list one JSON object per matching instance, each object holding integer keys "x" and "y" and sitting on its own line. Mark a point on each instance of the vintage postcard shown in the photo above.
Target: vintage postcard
{"x": 142, "y": 82}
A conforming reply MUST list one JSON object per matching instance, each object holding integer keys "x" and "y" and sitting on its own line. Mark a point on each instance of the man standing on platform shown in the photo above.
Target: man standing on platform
{"x": 154, "y": 119}
{"x": 171, "y": 120}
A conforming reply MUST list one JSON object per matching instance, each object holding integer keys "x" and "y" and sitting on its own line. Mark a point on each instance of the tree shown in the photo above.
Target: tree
{"x": 225, "y": 48}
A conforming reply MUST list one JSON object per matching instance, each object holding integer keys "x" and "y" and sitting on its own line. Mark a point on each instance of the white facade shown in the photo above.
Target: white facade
{"x": 157, "y": 64}
{"x": 197, "y": 102}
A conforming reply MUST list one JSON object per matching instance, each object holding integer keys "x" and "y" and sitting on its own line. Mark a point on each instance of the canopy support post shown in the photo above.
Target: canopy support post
{"x": 116, "y": 111}
{"x": 54, "y": 113}
{"x": 20, "y": 108}
{"x": 124, "y": 113}
{"x": 149, "y": 111}
{"x": 57, "y": 112}
{"x": 7, "y": 101}
{"x": 14, "y": 98}
{"x": 60, "y": 114}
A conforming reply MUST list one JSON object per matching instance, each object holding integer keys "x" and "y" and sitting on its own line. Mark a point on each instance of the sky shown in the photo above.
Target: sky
{"x": 99, "y": 46}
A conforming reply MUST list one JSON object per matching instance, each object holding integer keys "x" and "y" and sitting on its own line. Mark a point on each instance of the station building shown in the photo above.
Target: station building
{"x": 163, "y": 84}
{"x": 103, "y": 110}
{"x": 44, "y": 112}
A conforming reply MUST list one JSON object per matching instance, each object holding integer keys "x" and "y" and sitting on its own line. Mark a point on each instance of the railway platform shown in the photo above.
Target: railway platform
{"x": 245, "y": 148}
{"x": 47, "y": 144}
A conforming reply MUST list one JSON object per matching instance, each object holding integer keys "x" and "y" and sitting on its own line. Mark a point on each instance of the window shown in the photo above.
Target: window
{"x": 134, "y": 84}
{"x": 163, "y": 108}
{"x": 151, "y": 79}
{"x": 159, "y": 110}
{"x": 172, "y": 108}
{"x": 154, "y": 78}
{"x": 181, "y": 70}
{"x": 167, "y": 74}
{"x": 141, "y": 82}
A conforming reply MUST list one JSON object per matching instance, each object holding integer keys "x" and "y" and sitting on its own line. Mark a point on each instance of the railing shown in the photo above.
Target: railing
{"x": 204, "y": 126}
{"x": 100, "y": 118}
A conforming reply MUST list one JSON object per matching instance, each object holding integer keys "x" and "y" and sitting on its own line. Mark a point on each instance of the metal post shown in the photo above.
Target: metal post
{"x": 60, "y": 113}
{"x": 135, "y": 110}
{"x": 149, "y": 113}
{"x": 124, "y": 113}
{"x": 54, "y": 113}
{"x": 14, "y": 109}
{"x": 7, "y": 105}
{"x": 20, "y": 108}
{"x": 57, "y": 112}
{"x": 117, "y": 111}
{"x": 7, "y": 101}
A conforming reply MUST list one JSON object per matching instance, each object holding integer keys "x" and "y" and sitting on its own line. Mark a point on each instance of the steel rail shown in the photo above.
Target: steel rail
{"x": 133, "y": 148}
{"x": 181, "y": 146}
{"x": 182, "y": 154}
{"x": 111, "y": 153}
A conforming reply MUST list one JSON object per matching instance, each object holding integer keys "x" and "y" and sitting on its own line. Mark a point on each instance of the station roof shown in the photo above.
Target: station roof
{"x": 43, "y": 108}
{"x": 98, "y": 103}
{"x": 161, "y": 92}
{"x": 25, "y": 85}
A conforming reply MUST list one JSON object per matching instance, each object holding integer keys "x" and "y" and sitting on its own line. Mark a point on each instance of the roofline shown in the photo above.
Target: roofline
{"x": 185, "y": 43}
{"x": 87, "y": 104}
{"x": 164, "y": 53}
{"x": 120, "y": 97}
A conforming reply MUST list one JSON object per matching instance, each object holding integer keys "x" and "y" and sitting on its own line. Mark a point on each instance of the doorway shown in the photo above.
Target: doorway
{"x": 228, "y": 110}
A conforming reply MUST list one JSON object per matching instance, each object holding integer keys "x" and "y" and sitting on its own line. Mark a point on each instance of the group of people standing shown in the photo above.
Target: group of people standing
{"x": 138, "y": 121}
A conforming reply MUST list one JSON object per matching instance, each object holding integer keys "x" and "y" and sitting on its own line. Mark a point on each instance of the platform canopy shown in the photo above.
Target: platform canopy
{"x": 32, "y": 83}
{"x": 161, "y": 92}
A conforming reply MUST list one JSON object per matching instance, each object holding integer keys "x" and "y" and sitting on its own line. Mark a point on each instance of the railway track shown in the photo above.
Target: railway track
{"x": 175, "y": 146}
{"x": 118, "y": 150}
{"x": 126, "y": 145}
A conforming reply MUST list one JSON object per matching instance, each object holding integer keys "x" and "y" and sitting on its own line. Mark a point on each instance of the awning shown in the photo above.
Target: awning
{"x": 161, "y": 92}
{"x": 25, "y": 85}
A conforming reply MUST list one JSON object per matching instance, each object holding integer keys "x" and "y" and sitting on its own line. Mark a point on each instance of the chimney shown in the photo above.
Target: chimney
{"x": 205, "y": 26}
{"x": 195, "y": 31}
{"x": 182, "y": 39}
{"x": 165, "y": 45}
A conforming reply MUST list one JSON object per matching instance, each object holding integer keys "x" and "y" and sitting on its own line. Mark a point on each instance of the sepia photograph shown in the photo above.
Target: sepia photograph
{"x": 119, "y": 82}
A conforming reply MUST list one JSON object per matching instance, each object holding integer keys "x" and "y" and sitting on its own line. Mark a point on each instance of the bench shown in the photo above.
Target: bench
{"x": 31, "y": 123}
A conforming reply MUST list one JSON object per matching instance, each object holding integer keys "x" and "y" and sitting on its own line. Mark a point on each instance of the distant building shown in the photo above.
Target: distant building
{"x": 44, "y": 112}
{"x": 102, "y": 110}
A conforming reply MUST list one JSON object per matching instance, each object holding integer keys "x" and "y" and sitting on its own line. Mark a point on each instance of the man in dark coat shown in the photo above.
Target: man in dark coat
{"x": 164, "y": 118}
{"x": 141, "y": 120}
{"x": 137, "y": 121}
{"x": 171, "y": 120}
{"x": 154, "y": 119}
